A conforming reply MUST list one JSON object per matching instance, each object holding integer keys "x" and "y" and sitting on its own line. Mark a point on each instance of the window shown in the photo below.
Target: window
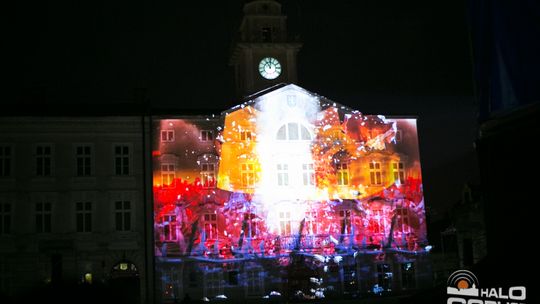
{"x": 207, "y": 135}
{"x": 291, "y": 101}
{"x": 210, "y": 226}
{"x": 349, "y": 278}
{"x": 408, "y": 276}
{"x": 43, "y": 217}
{"x": 378, "y": 221}
{"x": 247, "y": 174}
{"x": 5, "y": 218}
{"x": 121, "y": 160}
{"x": 43, "y": 160}
{"x": 83, "y": 216}
{"x": 342, "y": 171}
{"x": 250, "y": 225}
{"x": 168, "y": 174}
{"x": 293, "y": 131}
{"x": 246, "y": 135}
{"x": 167, "y": 135}
{"x": 384, "y": 276}
{"x": 255, "y": 282}
{"x": 375, "y": 173}
{"x": 311, "y": 222}
{"x": 5, "y": 161}
{"x": 285, "y": 222}
{"x": 308, "y": 175}
{"x": 399, "y": 172}
{"x": 208, "y": 175}
{"x": 345, "y": 220}
{"x": 170, "y": 227}
{"x": 266, "y": 33}
{"x": 214, "y": 284}
{"x": 283, "y": 174}
{"x": 84, "y": 160}
{"x": 122, "y": 213}
{"x": 398, "y": 136}
{"x": 404, "y": 220}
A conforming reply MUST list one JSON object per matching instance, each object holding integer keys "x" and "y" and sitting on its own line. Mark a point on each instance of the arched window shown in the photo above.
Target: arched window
{"x": 293, "y": 131}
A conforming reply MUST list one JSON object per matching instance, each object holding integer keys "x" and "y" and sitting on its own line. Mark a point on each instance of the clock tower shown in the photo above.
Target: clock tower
{"x": 262, "y": 54}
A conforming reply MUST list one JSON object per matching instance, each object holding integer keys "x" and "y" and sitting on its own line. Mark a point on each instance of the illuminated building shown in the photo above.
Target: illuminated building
{"x": 285, "y": 184}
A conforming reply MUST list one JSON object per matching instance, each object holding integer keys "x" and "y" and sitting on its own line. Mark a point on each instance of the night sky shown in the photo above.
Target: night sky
{"x": 380, "y": 57}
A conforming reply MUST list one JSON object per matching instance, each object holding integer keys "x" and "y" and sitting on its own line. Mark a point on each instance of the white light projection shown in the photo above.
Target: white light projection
{"x": 285, "y": 132}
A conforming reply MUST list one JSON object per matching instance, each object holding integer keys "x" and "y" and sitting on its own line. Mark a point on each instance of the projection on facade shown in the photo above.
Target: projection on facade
{"x": 287, "y": 195}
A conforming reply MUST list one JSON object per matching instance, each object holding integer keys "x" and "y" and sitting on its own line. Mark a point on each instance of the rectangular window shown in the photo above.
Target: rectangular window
{"x": 121, "y": 160}
{"x": 285, "y": 223}
{"x": 255, "y": 282}
{"x": 375, "y": 173}
{"x": 5, "y": 218}
{"x": 311, "y": 222}
{"x": 266, "y": 33}
{"x": 378, "y": 221}
{"x": 208, "y": 175}
{"x": 43, "y": 160}
{"x": 83, "y": 211}
{"x": 345, "y": 220}
{"x": 210, "y": 226}
{"x": 398, "y": 136}
{"x": 167, "y": 135}
{"x": 399, "y": 172}
{"x": 84, "y": 160}
{"x": 342, "y": 174}
{"x": 168, "y": 174}
{"x": 122, "y": 213}
{"x": 308, "y": 175}
{"x": 403, "y": 220}
{"x": 170, "y": 227}
{"x": 207, "y": 135}
{"x": 246, "y": 135}
{"x": 408, "y": 280}
{"x": 283, "y": 174}
{"x": 384, "y": 276}
{"x": 214, "y": 284}
{"x": 5, "y": 161}
{"x": 43, "y": 217}
{"x": 248, "y": 175}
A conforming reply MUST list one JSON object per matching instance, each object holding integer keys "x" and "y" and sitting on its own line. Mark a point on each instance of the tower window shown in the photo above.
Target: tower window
{"x": 266, "y": 34}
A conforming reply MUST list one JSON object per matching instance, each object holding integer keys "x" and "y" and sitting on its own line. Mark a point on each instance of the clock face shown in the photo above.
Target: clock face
{"x": 269, "y": 68}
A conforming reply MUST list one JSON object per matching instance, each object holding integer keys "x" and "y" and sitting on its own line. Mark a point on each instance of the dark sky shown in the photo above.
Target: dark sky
{"x": 380, "y": 57}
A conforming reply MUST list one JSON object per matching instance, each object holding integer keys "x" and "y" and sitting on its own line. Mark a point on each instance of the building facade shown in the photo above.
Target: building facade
{"x": 288, "y": 194}
{"x": 71, "y": 198}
